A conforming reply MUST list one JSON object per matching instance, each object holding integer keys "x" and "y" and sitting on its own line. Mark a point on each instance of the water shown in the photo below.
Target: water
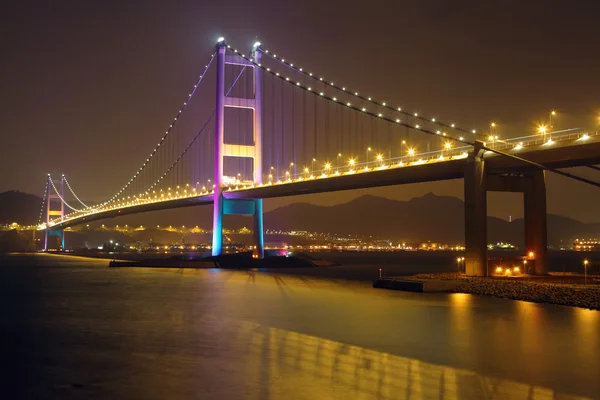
{"x": 73, "y": 328}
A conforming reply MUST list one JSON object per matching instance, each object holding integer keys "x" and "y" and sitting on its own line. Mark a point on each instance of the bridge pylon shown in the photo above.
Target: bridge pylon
{"x": 223, "y": 206}
{"x": 55, "y": 207}
{"x": 478, "y": 181}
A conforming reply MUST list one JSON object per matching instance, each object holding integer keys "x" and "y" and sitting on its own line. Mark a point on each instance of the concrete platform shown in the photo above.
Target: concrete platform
{"x": 413, "y": 285}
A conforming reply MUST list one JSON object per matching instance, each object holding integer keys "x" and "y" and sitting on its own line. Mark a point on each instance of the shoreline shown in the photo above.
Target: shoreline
{"x": 557, "y": 289}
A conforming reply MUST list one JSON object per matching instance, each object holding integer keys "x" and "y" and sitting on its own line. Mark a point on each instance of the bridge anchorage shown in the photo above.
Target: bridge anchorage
{"x": 282, "y": 131}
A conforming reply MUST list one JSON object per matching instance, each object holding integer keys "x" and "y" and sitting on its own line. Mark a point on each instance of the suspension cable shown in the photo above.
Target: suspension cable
{"x": 361, "y": 97}
{"x": 197, "y": 135}
{"x": 74, "y": 195}
{"x": 62, "y": 199}
{"x": 189, "y": 97}
{"x": 43, "y": 203}
{"x": 416, "y": 127}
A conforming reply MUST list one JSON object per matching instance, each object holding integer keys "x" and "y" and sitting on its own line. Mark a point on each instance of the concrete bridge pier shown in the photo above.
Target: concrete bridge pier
{"x": 536, "y": 230}
{"x": 475, "y": 214}
{"x": 477, "y": 182}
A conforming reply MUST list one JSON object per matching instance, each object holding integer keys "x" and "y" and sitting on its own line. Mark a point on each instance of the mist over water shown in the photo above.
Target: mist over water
{"x": 73, "y": 328}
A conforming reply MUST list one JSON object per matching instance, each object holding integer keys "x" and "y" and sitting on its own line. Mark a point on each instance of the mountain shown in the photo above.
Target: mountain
{"x": 430, "y": 217}
{"x": 19, "y": 207}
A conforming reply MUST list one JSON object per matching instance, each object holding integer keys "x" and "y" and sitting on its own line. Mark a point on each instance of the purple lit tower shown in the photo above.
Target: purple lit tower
{"x": 222, "y": 205}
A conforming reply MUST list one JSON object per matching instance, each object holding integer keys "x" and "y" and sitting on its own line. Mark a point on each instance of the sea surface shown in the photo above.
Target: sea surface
{"x": 71, "y": 328}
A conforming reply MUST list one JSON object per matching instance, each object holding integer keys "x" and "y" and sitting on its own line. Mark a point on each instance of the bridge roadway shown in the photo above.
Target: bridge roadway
{"x": 561, "y": 154}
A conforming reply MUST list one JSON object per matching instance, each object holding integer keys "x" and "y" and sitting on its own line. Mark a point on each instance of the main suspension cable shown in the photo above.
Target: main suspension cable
{"x": 361, "y": 97}
{"x": 74, "y": 195}
{"x": 416, "y": 127}
{"x": 62, "y": 199}
{"x": 189, "y": 97}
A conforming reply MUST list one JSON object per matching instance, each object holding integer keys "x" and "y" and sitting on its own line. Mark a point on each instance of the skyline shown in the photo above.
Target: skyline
{"x": 121, "y": 104}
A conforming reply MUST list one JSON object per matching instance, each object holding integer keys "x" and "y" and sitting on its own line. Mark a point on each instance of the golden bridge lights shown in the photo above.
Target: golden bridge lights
{"x": 542, "y": 129}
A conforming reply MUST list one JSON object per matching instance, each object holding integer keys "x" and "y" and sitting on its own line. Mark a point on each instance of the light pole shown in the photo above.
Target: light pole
{"x": 552, "y": 114}
{"x": 337, "y": 160}
{"x": 542, "y": 130}
{"x": 380, "y": 159}
{"x": 411, "y": 153}
{"x": 367, "y": 159}
{"x": 401, "y": 147}
{"x": 585, "y": 263}
{"x": 351, "y": 163}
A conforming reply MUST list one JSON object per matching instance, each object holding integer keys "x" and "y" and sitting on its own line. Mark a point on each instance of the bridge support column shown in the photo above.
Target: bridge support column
{"x": 259, "y": 239}
{"x": 536, "y": 234}
{"x": 475, "y": 214}
{"x": 54, "y": 239}
{"x": 217, "y": 242}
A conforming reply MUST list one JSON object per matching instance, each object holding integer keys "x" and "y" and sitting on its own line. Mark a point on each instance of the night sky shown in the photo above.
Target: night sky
{"x": 89, "y": 87}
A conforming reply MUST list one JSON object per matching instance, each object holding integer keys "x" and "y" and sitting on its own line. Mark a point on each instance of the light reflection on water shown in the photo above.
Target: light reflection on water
{"x": 277, "y": 356}
{"x": 85, "y": 330}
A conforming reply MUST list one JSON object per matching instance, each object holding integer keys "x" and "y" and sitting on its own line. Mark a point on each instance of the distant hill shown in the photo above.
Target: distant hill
{"x": 19, "y": 207}
{"x": 430, "y": 217}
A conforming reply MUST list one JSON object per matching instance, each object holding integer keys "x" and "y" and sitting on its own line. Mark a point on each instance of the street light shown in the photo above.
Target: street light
{"x": 337, "y": 160}
{"x": 380, "y": 159}
{"x": 351, "y": 162}
{"x": 492, "y": 126}
{"x": 585, "y": 263}
{"x": 368, "y": 150}
{"x": 411, "y": 153}
{"x": 542, "y": 129}
{"x": 401, "y": 144}
{"x": 327, "y": 166}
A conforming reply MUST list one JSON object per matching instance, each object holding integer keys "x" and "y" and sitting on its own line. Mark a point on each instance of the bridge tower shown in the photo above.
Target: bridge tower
{"x": 223, "y": 206}
{"x": 478, "y": 181}
{"x": 54, "y": 208}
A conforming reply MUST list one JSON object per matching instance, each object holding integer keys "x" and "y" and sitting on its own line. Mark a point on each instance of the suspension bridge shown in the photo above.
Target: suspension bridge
{"x": 276, "y": 129}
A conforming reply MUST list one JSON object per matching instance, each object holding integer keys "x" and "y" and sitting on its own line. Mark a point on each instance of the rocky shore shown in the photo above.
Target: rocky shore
{"x": 540, "y": 290}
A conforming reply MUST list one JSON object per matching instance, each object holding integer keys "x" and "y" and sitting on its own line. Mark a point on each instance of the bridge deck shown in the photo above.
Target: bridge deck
{"x": 565, "y": 154}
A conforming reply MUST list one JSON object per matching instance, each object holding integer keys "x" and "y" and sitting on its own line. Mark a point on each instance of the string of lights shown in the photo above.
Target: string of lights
{"x": 183, "y": 153}
{"x": 43, "y": 202}
{"x": 196, "y": 136}
{"x": 361, "y": 97}
{"x": 349, "y": 105}
{"x": 62, "y": 198}
{"x": 416, "y": 126}
{"x": 167, "y": 132}
{"x": 73, "y": 193}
